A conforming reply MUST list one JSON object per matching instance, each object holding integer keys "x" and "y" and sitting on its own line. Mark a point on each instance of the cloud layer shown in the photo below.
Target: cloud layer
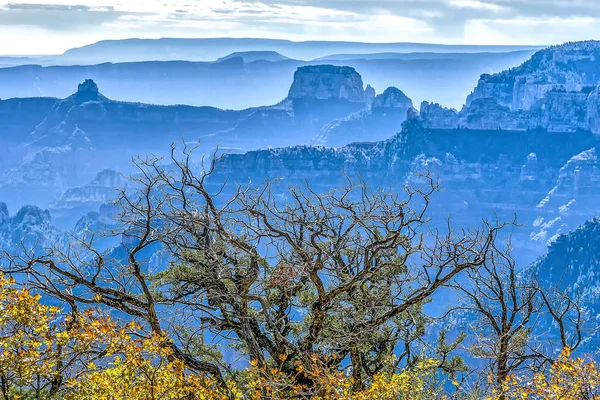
{"x": 38, "y": 27}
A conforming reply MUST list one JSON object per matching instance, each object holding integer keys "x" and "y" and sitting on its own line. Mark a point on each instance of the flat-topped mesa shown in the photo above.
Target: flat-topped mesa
{"x": 327, "y": 82}
{"x": 572, "y": 67}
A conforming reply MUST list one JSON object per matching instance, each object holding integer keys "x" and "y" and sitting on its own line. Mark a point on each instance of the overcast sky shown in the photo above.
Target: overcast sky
{"x": 36, "y": 27}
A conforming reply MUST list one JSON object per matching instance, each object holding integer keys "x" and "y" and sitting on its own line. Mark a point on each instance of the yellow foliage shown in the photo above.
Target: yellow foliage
{"x": 27, "y": 345}
{"x": 568, "y": 379}
{"x": 96, "y": 358}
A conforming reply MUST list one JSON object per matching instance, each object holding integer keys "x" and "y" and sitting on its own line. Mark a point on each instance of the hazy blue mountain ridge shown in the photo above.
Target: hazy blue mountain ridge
{"x": 233, "y": 84}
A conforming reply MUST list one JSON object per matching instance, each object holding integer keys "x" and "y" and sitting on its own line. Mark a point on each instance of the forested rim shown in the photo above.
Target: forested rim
{"x": 247, "y": 294}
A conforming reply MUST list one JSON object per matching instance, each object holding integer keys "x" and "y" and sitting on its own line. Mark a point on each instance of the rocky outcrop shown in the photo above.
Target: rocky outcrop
{"x": 87, "y": 91}
{"x": 487, "y": 114}
{"x": 572, "y": 67}
{"x": 78, "y": 201}
{"x": 392, "y": 98}
{"x": 370, "y": 94}
{"x": 556, "y": 90}
{"x": 557, "y": 111}
{"x": 572, "y": 199}
{"x": 327, "y": 82}
{"x": 30, "y": 228}
{"x": 99, "y": 191}
{"x": 434, "y": 116}
{"x": 380, "y": 121}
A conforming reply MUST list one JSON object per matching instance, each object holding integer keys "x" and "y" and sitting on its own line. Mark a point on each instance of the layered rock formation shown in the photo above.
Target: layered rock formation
{"x": 572, "y": 67}
{"x": 78, "y": 201}
{"x": 558, "y": 110}
{"x": 483, "y": 173}
{"x": 326, "y": 105}
{"x": 327, "y": 82}
{"x": 556, "y": 90}
{"x": 30, "y": 228}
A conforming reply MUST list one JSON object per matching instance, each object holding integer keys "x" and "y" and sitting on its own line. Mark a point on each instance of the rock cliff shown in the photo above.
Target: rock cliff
{"x": 30, "y": 228}
{"x": 558, "y": 110}
{"x": 483, "y": 173}
{"x": 556, "y": 90}
{"x": 78, "y": 201}
{"x": 572, "y": 67}
{"x": 327, "y": 82}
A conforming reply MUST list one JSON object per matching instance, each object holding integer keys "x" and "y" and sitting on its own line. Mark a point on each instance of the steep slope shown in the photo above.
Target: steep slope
{"x": 29, "y": 228}
{"x": 573, "y": 260}
{"x": 571, "y": 265}
{"x": 557, "y": 90}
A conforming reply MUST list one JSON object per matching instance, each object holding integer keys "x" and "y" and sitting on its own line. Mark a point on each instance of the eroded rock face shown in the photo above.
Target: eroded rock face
{"x": 571, "y": 66}
{"x": 370, "y": 94}
{"x": 80, "y": 200}
{"x": 87, "y": 91}
{"x": 557, "y": 111}
{"x": 392, "y": 98}
{"x": 30, "y": 228}
{"x": 487, "y": 114}
{"x": 435, "y": 116}
{"x": 101, "y": 190}
{"x": 573, "y": 198}
{"x": 327, "y": 82}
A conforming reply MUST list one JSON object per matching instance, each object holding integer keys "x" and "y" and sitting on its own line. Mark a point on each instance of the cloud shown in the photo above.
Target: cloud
{"x": 443, "y": 21}
{"x": 477, "y": 5}
{"x": 58, "y": 17}
{"x": 55, "y": 7}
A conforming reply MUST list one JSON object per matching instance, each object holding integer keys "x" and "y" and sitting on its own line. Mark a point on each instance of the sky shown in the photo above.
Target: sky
{"x": 36, "y": 27}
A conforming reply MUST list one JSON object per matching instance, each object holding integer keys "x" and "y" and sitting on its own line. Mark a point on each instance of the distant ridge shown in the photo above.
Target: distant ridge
{"x": 252, "y": 56}
{"x": 214, "y": 48}
{"x": 419, "y": 55}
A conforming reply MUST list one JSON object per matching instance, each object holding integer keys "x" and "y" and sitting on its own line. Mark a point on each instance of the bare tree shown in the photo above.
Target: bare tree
{"x": 279, "y": 277}
{"x": 513, "y": 317}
